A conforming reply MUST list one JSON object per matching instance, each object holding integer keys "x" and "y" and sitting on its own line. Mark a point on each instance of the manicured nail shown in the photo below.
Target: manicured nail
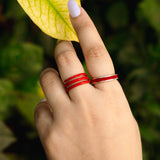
{"x": 43, "y": 100}
{"x": 74, "y": 9}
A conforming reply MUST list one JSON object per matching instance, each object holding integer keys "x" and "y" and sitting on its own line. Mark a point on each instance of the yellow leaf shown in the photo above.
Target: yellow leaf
{"x": 40, "y": 92}
{"x": 52, "y": 17}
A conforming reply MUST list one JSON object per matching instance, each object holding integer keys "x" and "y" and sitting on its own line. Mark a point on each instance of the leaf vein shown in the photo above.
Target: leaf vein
{"x": 60, "y": 15}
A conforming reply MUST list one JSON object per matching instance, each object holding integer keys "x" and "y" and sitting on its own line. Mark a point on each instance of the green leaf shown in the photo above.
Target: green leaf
{"x": 152, "y": 106}
{"x": 115, "y": 42}
{"x": 6, "y": 136}
{"x": 149, "y": 134}
{"x": 51, "y": 16}
{"x": 137, "y": 92}
{"x": 138, "y": 73}
{"x": 3, "y": 157}
{"x": 150, "y": 10}
{"x": 5, "y": 86}
{"x": 128, "y": 55}
{"x": 86, "y": 70}
{"x": 21, "y": 61}
{"x": 26, "y": 103}
{"x": 14, "y": 11}
{"x": 6, "y": 97}
{"x": 117, "y": 15}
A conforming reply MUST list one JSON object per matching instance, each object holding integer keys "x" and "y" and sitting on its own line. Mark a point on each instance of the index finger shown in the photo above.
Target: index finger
{"x": 97, "y": 58}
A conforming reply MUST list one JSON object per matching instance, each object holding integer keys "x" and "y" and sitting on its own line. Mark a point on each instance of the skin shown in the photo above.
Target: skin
{"x": 90, "y": 122}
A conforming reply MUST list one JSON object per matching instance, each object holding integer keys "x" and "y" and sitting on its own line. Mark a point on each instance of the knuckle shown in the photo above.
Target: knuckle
{"x": 50, "y": 70}
{"x": 65, "y": 58}
{"x": 39, "y": 110}
{"x": 96, "y": 51}
{"x": 84, "y": 25}
{"x": 94, "y": 118}
{"x": 48, "y": 77}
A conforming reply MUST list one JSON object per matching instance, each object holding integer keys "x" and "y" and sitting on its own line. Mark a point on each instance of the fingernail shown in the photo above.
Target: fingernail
{"x": 74, "y": 8}
{"x": 43, "y": 100}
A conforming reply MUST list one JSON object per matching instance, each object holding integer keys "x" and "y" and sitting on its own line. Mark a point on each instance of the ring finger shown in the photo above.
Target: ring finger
{"x": 68, "y": 64}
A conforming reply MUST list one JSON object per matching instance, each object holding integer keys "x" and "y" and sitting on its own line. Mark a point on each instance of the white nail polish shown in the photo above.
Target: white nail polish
{"x": 43, "y": 100}
{"x": 74, "y": 8}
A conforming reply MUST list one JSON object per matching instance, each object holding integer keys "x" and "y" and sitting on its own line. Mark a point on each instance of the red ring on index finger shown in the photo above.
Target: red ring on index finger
{"x": 105, "y": 78}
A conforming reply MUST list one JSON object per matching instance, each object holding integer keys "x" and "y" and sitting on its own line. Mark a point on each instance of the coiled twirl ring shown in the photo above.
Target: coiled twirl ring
{"x": 104, "y": 78}
{"x": 75, "y": 81}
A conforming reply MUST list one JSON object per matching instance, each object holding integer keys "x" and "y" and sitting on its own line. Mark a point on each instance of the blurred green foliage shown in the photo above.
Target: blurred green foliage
{"x": 131, "y": 33}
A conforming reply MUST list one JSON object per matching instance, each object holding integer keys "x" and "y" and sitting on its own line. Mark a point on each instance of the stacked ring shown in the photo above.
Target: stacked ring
{"x": 104, "y": 78}
{"x": 75, "y": 81}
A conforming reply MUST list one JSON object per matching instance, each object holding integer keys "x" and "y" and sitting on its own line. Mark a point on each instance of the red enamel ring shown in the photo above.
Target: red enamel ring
{"x": 75, "y": 81}
{"x": 104, "y": 78}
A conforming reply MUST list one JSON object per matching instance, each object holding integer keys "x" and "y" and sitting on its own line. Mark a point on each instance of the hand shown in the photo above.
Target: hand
{"x": 90, "y": 122}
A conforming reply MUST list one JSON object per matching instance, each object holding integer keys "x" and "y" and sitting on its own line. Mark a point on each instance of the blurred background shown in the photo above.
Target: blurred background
{"x": 131, "y": 33}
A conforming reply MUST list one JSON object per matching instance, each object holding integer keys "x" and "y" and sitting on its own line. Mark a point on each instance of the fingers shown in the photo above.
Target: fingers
{"x": 96, "y": 56}
{"x": 43, "y": 118}
{"x": 54, "y": 90}
{"x": 68, "y": 63}
{"x": 67, "y": 60}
